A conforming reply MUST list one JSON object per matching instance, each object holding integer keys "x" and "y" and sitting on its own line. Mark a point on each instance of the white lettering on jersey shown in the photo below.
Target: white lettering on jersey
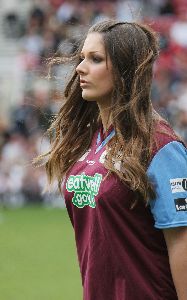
{"x": 90, "y": 162}
{"x": 178, "y": 185}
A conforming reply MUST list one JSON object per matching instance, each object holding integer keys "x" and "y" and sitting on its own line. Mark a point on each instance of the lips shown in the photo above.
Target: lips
{"x": 83, "y": 83}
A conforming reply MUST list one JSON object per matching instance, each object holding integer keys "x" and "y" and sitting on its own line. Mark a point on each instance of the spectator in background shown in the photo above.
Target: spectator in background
{"x": 179, "y": 28}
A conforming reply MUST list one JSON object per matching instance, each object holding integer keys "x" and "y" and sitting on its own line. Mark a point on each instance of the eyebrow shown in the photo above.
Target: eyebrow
{"x": 92, "y": 52}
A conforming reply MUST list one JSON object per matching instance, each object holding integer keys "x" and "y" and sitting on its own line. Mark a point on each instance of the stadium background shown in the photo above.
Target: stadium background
{"x": 37, "y": 251}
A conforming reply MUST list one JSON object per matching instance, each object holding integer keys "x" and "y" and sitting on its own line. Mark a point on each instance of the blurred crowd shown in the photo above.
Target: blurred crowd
{"x": 54, "y": 26}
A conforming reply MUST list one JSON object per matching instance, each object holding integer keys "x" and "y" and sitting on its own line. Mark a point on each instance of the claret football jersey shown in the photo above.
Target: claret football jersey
{"x": 121, "y": 251}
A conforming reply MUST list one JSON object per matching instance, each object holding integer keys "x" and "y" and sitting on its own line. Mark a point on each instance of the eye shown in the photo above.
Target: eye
{"x": 96, "y": 59}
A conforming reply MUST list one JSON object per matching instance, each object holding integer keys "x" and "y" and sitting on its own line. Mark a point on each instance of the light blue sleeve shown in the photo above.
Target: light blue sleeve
{"x": 168, "y": 173}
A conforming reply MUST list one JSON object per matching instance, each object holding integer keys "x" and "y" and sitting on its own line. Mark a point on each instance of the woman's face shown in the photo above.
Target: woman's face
{"x": 95, "y": 70}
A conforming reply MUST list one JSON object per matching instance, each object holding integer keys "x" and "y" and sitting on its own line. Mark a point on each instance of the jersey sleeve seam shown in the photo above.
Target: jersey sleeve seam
{"x": 172, "y": 142}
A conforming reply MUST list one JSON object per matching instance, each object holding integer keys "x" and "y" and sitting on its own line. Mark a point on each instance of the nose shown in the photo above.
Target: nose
{"x": 82, "y": 68}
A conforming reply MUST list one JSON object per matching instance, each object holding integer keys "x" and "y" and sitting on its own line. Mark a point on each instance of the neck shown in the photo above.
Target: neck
{"x": 105, "y": 113}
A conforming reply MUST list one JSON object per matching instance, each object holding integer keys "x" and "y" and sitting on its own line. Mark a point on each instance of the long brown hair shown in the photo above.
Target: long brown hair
{"x": 132, "y": 48}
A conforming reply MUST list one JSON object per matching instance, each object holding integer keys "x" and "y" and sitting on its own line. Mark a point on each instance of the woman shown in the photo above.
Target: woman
{"x": 125, "y": 170}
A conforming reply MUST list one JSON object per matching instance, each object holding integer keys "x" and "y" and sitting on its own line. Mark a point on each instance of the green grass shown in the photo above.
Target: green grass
{"x": 38, "y": 258}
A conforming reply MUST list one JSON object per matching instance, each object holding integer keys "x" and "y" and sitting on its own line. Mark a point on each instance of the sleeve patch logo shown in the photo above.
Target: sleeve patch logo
{"x": 181, "y": 204}
{"x": 178, "y": 185}
{"x": 85, "y": 189}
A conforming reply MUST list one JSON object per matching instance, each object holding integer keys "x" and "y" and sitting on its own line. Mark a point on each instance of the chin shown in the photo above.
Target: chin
{"x": 88, "y": 97}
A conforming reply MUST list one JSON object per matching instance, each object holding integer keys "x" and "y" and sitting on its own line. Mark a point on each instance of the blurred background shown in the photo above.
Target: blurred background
{"x": 30, "y": 33}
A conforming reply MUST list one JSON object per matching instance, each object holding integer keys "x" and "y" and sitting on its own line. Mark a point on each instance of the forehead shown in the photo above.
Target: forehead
{"x": 94, "y": 43}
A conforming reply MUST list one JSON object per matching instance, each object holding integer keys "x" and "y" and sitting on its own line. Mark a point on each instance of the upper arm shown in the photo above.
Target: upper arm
{"x": 168, "y": 174}
{"x": 176, "y": 240}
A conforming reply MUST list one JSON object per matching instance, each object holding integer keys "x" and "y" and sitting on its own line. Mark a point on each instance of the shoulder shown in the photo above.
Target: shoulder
{"x": 163, "y": 134}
